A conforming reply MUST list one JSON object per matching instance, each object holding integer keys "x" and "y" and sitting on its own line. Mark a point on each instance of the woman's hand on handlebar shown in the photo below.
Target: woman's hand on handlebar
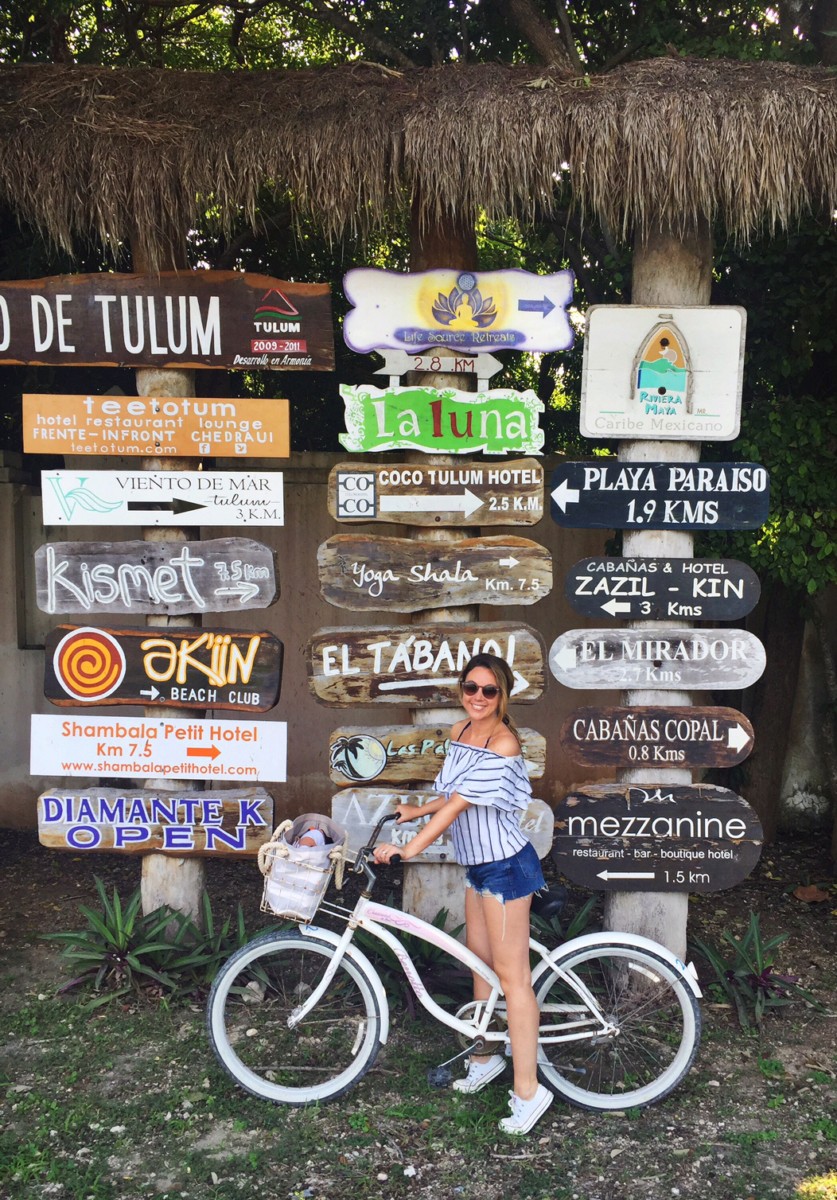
{"x": 385, "y": 852}
{"x": 409, "y": 812}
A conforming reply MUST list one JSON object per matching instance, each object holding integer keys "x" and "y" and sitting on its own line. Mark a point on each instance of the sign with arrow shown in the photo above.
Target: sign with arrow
{"x": 461, "y": 311}
{"x": 657, "y": 658}
{"x": 407, "y": 575}
{"x": 509, "y": 493}
{"x": 609, "y": 494}
{"x": 655, "y": 589}
{"x": 175, "y": 747}
{"x": 656, "y": 837}
{"x": 642, "y": 735}
{"x": 418, "y": 665}
{"x": 223, "y": 575}
{"x": 182, "y": 498}
{"x": 399, "y": 362}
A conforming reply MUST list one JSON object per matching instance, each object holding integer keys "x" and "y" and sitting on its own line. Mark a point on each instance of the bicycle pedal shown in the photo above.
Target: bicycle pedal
{"x": 440, "y": 1077}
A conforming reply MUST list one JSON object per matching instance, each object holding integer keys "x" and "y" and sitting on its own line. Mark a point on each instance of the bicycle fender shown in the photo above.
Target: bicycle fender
{"x": 615, "y": 938}
{"x": 362, "y": 962}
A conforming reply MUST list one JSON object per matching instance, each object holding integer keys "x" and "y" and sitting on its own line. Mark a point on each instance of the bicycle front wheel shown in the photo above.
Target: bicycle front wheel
{"x": 247, "y": 1018}
{"x": 653, "y": 1027}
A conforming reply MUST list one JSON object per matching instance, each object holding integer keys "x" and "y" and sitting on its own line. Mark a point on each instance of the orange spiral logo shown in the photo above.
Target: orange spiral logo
{"x": 89, "y": 664}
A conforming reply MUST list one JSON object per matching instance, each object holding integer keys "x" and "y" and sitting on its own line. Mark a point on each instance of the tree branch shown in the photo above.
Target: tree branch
{"x": 538, "y": 32}
{"x": 362, "y": 32}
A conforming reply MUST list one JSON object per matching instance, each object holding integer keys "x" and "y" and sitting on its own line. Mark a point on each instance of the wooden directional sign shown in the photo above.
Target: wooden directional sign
{"x": 175, "y": 747}
{"x": 360, "y": 809}
{"x": 659, "y": 588}
{"x": 656, "y": 838}
{"x": 134, "y": 821}
{"x": 659, "y": 495}
{"x": 184, "y": 668}
{"x": 399, "y": 362}
{"x": 162, "y": 498}
{"x": 683, "y": 737}
{"x": 156, "y": 426}
{"x": 405, "y": 753}
{"x": 463, "y": 311}
{"x": 408, "y": 576}
{"x": 657, "y": 658}
{"x": 441, "y": 420}
{"x": 509, "y": 493}
{"x": 228, "y": 574}
{"x": 663, "y": 374}
{"x": 417, "y": 664}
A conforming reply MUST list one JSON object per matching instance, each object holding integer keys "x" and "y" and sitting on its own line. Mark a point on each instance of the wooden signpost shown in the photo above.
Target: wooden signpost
{"x": 509, "y": 493}
{"x": 181, "y": 498}
{"x": 224, "y": 575}
{"x": 417, "y": 665}
{"x": 360, "y": 809}
{"x": 407, "y": 576}
{"x": 656, "y": 838}
{"x": 655, "y": 589}
{"x": 181, "y": 668}
{"x": 407, "y": 753}
{"x": 607, "y": 494}
{"x": 441, "y": 421}
{"x": 173, "y": 747}
{"x": 156, "y": 426}
{"x": 677, "y": 659}
{"x": 399, "y": 362}
{"x": 222, "y": 319}
{"x": 644, "y": 735}
{"x": 233, "y": 823}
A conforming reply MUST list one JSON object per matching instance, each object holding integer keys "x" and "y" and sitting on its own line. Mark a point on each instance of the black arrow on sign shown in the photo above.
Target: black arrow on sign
{"x": 175, "y": 506}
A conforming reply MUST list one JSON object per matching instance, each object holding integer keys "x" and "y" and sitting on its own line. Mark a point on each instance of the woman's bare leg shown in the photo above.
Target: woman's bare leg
{"x": 507, "y": 927}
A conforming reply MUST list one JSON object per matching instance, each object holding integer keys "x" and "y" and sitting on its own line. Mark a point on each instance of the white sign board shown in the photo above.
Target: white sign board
{"x": 663, "y": 372}
{"x": 178, "y": 748}
{"x": 163, "y": 498}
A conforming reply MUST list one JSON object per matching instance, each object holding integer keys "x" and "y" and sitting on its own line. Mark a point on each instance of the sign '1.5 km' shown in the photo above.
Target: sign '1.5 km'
{"x": 641, "y": 735}
{"x": 659, "y": 495}
{"x": 658, "y": 588}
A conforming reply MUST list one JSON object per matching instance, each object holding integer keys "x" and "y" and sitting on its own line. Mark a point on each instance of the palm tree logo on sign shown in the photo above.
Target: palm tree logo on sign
{"x": 359, "y": 757}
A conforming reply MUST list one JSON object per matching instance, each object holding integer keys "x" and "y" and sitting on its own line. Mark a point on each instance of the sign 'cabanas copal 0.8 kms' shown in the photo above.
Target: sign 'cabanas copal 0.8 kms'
{"x": 647, "y": 736}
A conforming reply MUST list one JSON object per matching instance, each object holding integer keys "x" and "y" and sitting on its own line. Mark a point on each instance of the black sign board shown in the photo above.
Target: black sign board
{"x": 654, "y": 589}
{"x": 608, "y": 494}
{"x": 642, "y": 735}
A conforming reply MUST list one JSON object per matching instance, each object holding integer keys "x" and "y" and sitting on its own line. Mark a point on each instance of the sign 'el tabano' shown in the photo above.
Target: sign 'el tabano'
{"x": 656, "y": 838}
{"x": 509, "y": 493}
{"x": 185, "y": 668}
{"x": 236, "y": 822}
{"x": 642, "y": 735}
{"x": 226, "y": 319}
{"x": 464, "y": 311}
{"x": 406, "y": 576}
{"x": 173, "y": 747}
{"x": 155, "y": 426}
{"x": 657, "y": 658}
{"x": 163, "y": 498}
{"x": 654, "y": 589}
{"x": 417, "y": 664}
{"x": 407, "y": 753}
{"x": 440, "y": 420}
{"x": 659, "y": 495}
{"x": 224, "y": 575}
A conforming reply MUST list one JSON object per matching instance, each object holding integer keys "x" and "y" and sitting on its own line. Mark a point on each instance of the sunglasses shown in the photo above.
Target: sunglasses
{"x": 489, "y": 691}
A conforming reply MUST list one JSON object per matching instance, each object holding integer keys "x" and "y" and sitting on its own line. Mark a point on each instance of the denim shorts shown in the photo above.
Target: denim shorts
{"x": 508, "y": 878}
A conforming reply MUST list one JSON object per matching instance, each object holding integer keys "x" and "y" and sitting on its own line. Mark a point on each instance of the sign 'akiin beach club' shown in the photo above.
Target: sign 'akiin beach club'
{"x": 653, "y": 589}
{"x": 222, "y": 319}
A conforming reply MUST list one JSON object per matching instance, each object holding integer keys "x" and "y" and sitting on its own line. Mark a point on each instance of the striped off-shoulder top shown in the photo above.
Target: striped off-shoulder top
{"x": 497, "y": 789}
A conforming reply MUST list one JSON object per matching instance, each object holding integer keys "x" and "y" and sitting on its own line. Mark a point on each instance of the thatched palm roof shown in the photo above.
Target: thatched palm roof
{"x": 93, "y": 149}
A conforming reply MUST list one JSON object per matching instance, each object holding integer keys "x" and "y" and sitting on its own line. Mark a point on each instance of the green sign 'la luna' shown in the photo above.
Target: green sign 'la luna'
{"x": 441, "y": 421}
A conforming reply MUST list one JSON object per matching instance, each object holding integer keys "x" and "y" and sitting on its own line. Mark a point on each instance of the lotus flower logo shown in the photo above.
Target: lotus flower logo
{"x": 464, "y": 306}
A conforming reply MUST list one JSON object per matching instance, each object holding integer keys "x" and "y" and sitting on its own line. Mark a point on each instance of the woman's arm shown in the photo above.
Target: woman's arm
{"x": 436, "y": 826}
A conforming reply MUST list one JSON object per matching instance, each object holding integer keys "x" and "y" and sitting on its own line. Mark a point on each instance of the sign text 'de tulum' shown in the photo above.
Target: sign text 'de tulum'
{"x": 648, "y": 736}
{"x": 658, "y": 588}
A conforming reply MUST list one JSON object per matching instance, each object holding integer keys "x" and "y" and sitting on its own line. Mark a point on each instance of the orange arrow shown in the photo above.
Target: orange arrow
{"x": 202, "y": 752}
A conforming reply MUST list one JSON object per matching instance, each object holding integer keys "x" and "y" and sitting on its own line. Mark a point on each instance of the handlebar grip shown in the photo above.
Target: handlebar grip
{"x": 395, "y": 860}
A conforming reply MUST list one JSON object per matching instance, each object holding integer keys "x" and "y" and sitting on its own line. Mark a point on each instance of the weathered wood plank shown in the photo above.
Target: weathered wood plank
{"x": 644, "y": 735}
{"x": 406, "y": 753}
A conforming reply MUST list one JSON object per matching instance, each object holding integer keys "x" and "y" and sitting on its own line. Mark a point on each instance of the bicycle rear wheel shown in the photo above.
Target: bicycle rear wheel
{"x": 247, "y": 1018}
{"x": 655, "y": 1020}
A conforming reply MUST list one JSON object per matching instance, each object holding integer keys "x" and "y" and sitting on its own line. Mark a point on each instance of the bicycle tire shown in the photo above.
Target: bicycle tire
{"x": 247, "y": 1012}
{"x": 657, "y": 1017}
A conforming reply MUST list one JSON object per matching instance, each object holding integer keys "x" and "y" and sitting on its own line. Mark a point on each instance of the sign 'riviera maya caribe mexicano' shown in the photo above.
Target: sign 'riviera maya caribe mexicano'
{"x": 171, "y": 319}
{"x": 608, "y": 494}
{"x": 659, "y": 588}
{"x": 440, "y": 421}
{"x": 673, "y": 373}
{"x": 137, "y": 822}
{"x": 463, "y": 311}
{"x": 656, "y": 837}
{"x": 224, "y": 575}
{"x": 641, "y": 735}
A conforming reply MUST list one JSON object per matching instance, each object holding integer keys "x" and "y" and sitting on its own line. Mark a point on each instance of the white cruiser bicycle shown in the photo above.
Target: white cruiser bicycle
{"x": 298, "y": 1016}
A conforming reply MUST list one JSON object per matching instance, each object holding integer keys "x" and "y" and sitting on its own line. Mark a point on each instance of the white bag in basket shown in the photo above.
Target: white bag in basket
{"x": 296, "y": 877}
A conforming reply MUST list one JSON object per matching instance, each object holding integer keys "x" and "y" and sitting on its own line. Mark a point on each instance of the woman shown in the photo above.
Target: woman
{"x": 484, "y": 788}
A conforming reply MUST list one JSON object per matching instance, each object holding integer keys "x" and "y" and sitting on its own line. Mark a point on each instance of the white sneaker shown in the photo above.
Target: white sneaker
{"x": 480, "y": 1074}
{"x": 526, "y": 1113}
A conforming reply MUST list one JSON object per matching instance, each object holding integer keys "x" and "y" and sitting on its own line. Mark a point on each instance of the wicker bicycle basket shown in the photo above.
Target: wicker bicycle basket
{"x": 296, "y": 877}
